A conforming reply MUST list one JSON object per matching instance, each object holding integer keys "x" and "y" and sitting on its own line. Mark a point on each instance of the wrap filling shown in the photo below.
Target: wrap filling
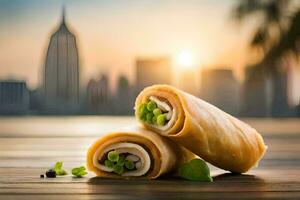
{"x": 124, "y": 158}
{"x": 158, "y": 113}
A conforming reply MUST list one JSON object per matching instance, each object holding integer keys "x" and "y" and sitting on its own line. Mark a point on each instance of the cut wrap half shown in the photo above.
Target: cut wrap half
{"x": 135, "y": 153}
{"x": 207, "y": 131}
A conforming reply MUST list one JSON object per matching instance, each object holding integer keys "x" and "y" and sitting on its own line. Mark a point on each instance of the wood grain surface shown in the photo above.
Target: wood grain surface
{"x": 23, "y": 159}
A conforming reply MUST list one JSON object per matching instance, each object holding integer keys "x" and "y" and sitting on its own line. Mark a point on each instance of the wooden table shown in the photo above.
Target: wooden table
{"x": 23, "y": 159}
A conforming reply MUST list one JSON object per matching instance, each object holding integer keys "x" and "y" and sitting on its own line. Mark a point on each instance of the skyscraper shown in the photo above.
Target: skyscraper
{"x": 219, "y": 87}
{"x": 14, "y": 97}
{"x": 153, "y": 71}
{"x": 255, "y": 93}
{"x": 61, "y": 74}
{"x": 98, "y": 97}
{"x": 279, "y": 104}
{"x": 124, "y": 102}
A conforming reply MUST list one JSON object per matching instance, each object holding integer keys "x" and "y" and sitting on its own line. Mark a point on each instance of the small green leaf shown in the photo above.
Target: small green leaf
{"x": 75, "y": 171}
{"x": 61, "y": 172}
{"x": 82, "y": 168}
{"x": 58, "y": 169}
{"x": 58, "y": 165}
{"x": 82, "y": 173}
{"x": 195, "y": 170}
{"x": 79, "y": 171}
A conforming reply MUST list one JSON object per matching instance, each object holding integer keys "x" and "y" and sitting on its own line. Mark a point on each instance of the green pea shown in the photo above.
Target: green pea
{"x": 113, "y": 156}
{"x": 144, "y": 119}
{"x": 118, "y": 169}
{"x": 151, "y": 105}
{"x": 141, "y": 107}
{"x": 157, "y": 112}
{"x": 149, "y": 117}
{"x": 154, "y": 120}
{"x": 142, "y": 110}
{"x": 161, "y": 120}
{"x": 129, "y": 164}
{"x": 121, "y": 161}
{"x": 109, "y": 163}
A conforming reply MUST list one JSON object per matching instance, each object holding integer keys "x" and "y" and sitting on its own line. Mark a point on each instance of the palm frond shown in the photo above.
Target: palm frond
{"x": 260, "y": 38}
{"x": 246, "y": 7}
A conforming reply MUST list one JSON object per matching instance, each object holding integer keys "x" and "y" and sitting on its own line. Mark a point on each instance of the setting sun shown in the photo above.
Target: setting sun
{"x": 185, "y": 59}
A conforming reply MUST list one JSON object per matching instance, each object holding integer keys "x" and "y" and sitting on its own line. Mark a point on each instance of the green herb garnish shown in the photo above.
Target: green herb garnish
{"x": 79, "y": 171}
{"x": 195, "y": 170}
{"x": 58, "y": 169}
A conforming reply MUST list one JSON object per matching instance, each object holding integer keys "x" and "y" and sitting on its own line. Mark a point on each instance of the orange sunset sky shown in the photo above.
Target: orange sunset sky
{"x": 112, "y": 34}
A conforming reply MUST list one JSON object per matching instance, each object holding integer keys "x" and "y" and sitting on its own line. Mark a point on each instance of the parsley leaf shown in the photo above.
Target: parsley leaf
{"x": 58, "y": 169}
{"x": 79, "y": 171}
{"x": 195, "y": 170}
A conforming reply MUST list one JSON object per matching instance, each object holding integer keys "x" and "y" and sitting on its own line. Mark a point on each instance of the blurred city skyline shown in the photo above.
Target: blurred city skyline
{"x": 98, "y": 56}
{"x": 112, "y": 34}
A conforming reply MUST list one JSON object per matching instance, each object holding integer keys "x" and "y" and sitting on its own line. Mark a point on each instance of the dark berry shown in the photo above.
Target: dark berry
{"x": 42, "y": 176}
{"x": 50, "y": 173}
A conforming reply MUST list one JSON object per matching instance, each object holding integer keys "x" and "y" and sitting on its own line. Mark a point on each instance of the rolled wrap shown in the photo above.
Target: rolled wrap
{"x": 207, "y": 131}
{"x": 165, "y": 155}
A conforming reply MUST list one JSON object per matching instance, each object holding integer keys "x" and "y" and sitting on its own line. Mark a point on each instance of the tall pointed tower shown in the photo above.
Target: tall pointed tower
{"x": 61, "y": 78}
